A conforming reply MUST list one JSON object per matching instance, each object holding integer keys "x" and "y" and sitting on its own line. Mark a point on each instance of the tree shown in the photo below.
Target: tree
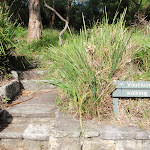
{"x": 53, "y": 15}
{"x": 35, "y": 22}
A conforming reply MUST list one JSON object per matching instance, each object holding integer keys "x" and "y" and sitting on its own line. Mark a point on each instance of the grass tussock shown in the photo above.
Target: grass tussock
{"x": 86, "y": 65}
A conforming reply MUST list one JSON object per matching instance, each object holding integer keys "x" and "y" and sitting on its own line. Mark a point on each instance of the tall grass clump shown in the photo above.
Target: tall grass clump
{"x": 142, "y": 39}
{"x": 86, "y": 65}
{"x": 7, "y": 42}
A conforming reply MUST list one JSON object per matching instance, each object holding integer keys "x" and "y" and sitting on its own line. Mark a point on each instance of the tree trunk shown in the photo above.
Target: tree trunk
{"x": 35, "y": 23}
{"x": 68, "y": 9}
{"x": 53, "y": 16}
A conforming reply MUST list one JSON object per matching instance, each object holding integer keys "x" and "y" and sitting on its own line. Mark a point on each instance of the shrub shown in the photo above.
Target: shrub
{"x": 7, "y": 42}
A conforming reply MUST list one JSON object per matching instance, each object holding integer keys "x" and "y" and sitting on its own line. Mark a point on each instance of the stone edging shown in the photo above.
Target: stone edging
{"x": 13, "y": 88}
{"x": 10, "y": 90}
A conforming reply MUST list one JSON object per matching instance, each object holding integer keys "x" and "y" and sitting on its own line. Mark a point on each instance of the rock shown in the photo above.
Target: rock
{"x": 10, "y": 90}
{"x": 15, "y": 75}
{"x": 113, "y": 132}
{"x": 64, "y": 143}
{"x": 129, "y": 145}
{"x": 146, "y": 144}
{"x": 37, "y": 132}
{"x": 98, "y": 144}
{"x": 16, "y": 144}
{"x": 91, "y": 133}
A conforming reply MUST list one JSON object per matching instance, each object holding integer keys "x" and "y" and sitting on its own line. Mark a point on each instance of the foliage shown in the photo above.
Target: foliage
{"x": 142, "y": 57}
{"x": 93, "y": 11}
{"x": 7, "y": 42}
{"x": 87, "y": 64}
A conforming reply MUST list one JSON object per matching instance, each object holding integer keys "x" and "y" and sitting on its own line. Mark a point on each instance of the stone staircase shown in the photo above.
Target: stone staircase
{"x": 34, "y": 122}
{"x": 28, "y": 121}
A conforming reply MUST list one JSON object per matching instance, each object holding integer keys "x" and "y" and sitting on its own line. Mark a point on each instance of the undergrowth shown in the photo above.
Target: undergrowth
{"x": 7, "y": 41}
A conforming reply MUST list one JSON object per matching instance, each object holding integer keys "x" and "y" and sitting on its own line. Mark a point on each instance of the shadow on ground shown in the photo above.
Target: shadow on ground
{"x": 21, "y": 63}
{"x": 5, "y": 119}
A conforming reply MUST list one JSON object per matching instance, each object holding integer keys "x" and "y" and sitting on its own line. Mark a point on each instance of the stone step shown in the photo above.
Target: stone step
{"x": 32, "y": 111}
{"x": 31, "y": 74}
{"x": 34, "y": 85}
{"x": 36, "y": 105}
{"x": 35, "y": 131}
{"x": 27, "y": 124}
{"x": 17, "y": 144}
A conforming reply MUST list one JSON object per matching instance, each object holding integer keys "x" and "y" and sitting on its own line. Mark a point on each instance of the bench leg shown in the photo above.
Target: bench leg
{"x": 115, "y": 106}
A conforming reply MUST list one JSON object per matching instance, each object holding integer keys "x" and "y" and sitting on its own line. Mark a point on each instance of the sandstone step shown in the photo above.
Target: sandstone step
{"x": 34, "y": 85}
{"x": 36, "y": 105}
{"x": 31, "y": 74}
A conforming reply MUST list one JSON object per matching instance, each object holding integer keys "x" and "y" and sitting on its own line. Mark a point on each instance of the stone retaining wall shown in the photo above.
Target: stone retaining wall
{"x": 65, "y": 134}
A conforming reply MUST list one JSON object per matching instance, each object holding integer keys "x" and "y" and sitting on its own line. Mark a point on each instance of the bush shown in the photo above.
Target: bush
{"x": 7, "y": 42}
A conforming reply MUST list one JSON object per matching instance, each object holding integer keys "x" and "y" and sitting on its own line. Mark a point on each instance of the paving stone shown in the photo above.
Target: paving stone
{"x": 42, "y": 97}
{"x": 12, "y": 144}
{"x": 38, "y": 132}
{"x": 64, "y": 143}
{"x": 129, "y": 145}
{"x": 142, "y": 135}
{"x": 113, "y": 132}
{"x": 32, "y": 111}
{"x": 16, "y": 144}
{"x": 65, "y": 125}
{"x": 33, "y": 85}
{"x": 98, "y": 144}
{"x": 31, "y": 74}
{"x": 91, "y": 133}
{"x": 146, "y": 144}
{"x": 13, "y": 131}
{"x": 38, "y": 121}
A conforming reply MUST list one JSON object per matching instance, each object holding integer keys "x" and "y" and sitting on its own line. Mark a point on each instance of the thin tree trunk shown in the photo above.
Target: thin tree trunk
{"x": 68, "y": 9}
{"x": 61, "y": 18}
{"x": 53, "y": 16}
{"x": 35, "y": 23}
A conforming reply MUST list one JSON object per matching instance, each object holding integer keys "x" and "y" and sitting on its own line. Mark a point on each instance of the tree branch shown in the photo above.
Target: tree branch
{"x": 61, "y": 18}
{"x": 137, "y": 4}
